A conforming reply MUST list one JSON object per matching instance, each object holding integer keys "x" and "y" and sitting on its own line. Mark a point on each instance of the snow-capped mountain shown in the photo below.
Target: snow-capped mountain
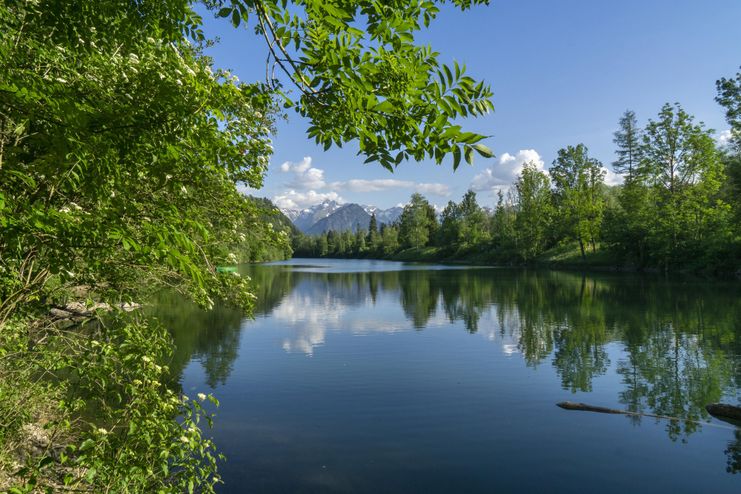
{"x": 329, "y": 215}
{"x": 348, "y": 217}
{"x": 305, "y": 218}
{"x": 388, "y": 216}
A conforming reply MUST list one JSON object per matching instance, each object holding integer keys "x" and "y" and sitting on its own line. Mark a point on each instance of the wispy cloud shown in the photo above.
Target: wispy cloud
{"x": 380, "y": 185}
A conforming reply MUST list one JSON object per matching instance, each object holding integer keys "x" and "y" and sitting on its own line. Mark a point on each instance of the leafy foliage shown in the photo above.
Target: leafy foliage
{"x": 361, "y": 76}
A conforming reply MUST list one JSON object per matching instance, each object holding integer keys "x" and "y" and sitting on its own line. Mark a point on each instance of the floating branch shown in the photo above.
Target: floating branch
{"x": 717, "y": 409}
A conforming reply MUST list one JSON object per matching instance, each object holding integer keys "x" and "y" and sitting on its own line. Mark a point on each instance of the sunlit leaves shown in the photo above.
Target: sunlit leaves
{"x": 361, "y": 77}
{"x": 121, "y": 146}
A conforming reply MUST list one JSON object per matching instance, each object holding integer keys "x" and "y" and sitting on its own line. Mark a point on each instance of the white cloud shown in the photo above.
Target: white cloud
{"x": 300, "y": 200}
{"x": 505, "y": 171}
{"x": 360, "y": 185}
{"x": 307, "y": 186}
{"x": 305, "y": 176}
{"x": 441, "y": 190}
{"x": 612, "y": 178}
{"x": 300, "y": 167}
{"x": 380, "y": 185}
{"x": 724, "y": 137}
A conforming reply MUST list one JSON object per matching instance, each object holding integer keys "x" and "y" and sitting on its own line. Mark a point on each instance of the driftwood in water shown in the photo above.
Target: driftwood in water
{"x": 570, "y": 405}
{"x": 723, "y": 410}
{"x": 717, "y": 409}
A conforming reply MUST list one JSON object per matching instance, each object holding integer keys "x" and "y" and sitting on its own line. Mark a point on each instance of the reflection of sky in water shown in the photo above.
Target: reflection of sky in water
{"x": 308, "y": 320}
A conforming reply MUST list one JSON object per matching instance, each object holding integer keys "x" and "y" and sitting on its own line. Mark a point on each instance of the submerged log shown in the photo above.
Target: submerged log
{"x": 727, "y": 413}
{"x": 723, "y": 410}
{"x": 570, "y": 405}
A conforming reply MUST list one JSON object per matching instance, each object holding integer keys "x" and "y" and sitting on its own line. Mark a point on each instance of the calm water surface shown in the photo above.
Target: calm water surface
{"x": 379, "y": 377}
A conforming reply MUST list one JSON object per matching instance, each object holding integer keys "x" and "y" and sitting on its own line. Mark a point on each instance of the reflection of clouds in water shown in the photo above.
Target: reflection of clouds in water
{"x": 510, "y": 349}
{"x": 309, "y": 313}
{"x": 308, "y": 318}
{"x": 500, "y": 324}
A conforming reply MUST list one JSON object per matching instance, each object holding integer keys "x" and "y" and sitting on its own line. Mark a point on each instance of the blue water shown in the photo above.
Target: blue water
{"x": 372, "y": 376}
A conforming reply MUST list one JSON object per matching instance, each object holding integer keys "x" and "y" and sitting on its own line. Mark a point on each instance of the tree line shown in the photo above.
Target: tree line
{"x": 679, "y": 206}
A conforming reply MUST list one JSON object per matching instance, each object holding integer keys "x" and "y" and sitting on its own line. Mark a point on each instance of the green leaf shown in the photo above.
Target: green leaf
{"x": 384, "y": 106}
{"x": 449, "y": 74}
{"x": 468, "y": 154}
{"x": 484, "y": 150}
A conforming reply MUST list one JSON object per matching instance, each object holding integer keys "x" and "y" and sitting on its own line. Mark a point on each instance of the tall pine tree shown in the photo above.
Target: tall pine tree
{"x": 628, "y": 141}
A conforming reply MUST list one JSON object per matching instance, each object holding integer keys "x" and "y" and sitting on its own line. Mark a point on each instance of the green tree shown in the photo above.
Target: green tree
{"x": 473, "y": 228}
{"x": 683, "y": 168}
{"x": 504, "y": 241}
{"x": 359, "y": 243}
{"x": 372, "y": 239}
{"x": 323, "y": 245}
{"x": 417, "y": 222}
{"x": 729, "y": 96}
{"x": 534, "y": 211}
{"x": 578, "y": 181}
{"x": 450, "y": 223}
{"x": 628, "y": 141}
{"x": 389, "y": 239}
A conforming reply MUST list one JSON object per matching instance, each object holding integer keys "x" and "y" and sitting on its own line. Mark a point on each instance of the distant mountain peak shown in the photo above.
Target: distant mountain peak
{"x": 339, "y": 217}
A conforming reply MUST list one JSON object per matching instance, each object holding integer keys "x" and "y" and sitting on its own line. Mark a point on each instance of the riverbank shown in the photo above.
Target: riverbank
{"x": 562, "y": 257}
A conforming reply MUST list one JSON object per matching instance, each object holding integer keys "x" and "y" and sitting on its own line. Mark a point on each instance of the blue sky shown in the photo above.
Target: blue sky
{"x": 562, "y": 73}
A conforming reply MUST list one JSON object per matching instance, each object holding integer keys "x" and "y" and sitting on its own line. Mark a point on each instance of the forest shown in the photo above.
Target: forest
{"x": 678, "y": 208}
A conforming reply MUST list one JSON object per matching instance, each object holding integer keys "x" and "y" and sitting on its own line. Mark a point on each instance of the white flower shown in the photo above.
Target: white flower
{"x": 201, "y": 396}
{"x": 184, "y": 439}
{"x": 102, "y": 431}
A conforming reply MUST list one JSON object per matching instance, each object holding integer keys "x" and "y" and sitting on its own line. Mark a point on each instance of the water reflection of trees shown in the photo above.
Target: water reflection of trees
{"x": 209, "y": 336}
{"x": 679, "y": 340}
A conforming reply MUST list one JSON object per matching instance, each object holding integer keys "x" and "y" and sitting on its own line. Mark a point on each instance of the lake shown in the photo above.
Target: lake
{"x": 382, "y": 377}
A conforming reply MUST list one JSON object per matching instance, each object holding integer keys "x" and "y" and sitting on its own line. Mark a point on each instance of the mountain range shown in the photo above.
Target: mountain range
{"x": 330, "y": 215}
